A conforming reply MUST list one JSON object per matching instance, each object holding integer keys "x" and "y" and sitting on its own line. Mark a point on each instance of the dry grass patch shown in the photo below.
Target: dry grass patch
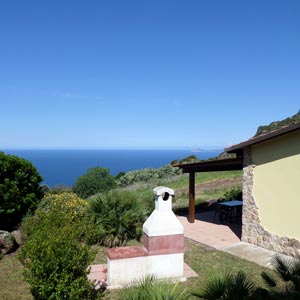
{"x": 12, "y": 286}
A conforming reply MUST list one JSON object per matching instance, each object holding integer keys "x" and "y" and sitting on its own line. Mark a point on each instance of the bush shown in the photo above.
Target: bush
{"x": 288, "y": 271}
{"x": 233, "y": 194}
{"x": 66, "y": 203}
{"x": 20, "y": 189}
{"x": 227, "y": 287}
{"x": 187, "y": 160}
{"x": 115, "y": 218}
{"x": 147, "y": 175}
{"x": 96, "y": 180}
{"x": 59, "y": 189}
{"x": 149, "y": 288}
{"x": 54, "y": 256}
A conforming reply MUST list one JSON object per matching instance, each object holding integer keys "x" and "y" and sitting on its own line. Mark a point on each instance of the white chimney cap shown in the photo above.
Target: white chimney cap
{"x": 160, "y": 190}
{"x": 162, "y": 221}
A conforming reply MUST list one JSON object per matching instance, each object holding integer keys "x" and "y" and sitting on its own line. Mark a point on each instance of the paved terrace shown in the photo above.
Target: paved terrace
{"x": 224, "y": 237}
{"x": 205, "y": 231}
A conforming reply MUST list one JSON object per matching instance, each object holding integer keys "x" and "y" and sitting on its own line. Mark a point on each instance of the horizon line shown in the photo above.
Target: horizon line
{"x": 192, "y": 149}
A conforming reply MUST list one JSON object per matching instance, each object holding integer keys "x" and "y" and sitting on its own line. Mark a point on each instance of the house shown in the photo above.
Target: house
{"x": 271, "y": 189}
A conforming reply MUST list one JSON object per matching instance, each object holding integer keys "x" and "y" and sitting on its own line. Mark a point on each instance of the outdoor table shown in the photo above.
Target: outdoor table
{"x": 231, "y": 209}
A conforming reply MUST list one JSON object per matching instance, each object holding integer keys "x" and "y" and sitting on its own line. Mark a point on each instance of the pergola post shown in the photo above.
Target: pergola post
{"x": 191, "y": 197}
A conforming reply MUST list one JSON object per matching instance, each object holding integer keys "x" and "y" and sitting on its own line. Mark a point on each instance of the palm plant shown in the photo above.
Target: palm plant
{"x": 288, "y": 270}
{"x": 149, "y": 288}
{"x": 226, "y": 287}
{"x": 115, "y": 217}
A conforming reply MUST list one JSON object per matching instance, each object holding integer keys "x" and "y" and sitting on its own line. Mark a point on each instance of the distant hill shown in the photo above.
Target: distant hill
{"x": 278, "y": 124}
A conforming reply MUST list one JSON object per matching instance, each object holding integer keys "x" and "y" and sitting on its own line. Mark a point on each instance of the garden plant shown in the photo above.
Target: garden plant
{"x": 20, "y": 190}
{"x": 54, "y": 255}
{"x": 149, "y": 288}
{"x": 94, "y": 181}
{"x": 288, "y": 270}
{"x": 115, "y": 217}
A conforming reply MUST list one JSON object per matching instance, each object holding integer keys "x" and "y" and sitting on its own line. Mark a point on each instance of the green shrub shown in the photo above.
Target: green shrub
{"x": 151, "y": 289}
{"x": 147, "y": 175}
{"x": 278, "y": 124}
{"x": 187, "y": 160}
{"x": 67, "y": 203}
{"x": 227, "y": 287}
{"x": 54, "y": 256}
{"x": 233, "y": 194}
{"x": 58, "y": 189}
{"x": 120, "y": 174}
{"x": 96, "y": 180}
{"x": 288, "y": 271}
{"x": 20, "y": 189}
{"x": 115, "y": 218}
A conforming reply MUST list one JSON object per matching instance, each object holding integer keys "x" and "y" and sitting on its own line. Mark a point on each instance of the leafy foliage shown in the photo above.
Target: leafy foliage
{"x": 288, "y": 270}
{"x": 186, "y": 160}
{"x": 115, "y": 217}
{"x": 233, "y": 194}
{"x": 149, "y": 288}
{"x": 147, "y": 175}
{"x": 226, "y": 287}
{"x": 53, "y": 254}
{"x": 67, "y": 203}
{"x": 20, "y": 189}
{"x": 96, "y": 180}
{"x": 278, "y": 124}
{"x": 59, "y": 189}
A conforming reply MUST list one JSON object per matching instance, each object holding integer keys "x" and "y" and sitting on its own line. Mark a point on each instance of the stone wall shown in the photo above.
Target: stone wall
{"x": 252, "y": 231}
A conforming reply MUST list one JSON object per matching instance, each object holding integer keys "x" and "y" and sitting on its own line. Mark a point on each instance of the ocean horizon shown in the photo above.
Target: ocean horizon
{"x": 64, "y": 166}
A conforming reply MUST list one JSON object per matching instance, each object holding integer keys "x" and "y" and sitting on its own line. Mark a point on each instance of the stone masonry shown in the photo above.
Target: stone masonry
{"x": 253, "y": 232}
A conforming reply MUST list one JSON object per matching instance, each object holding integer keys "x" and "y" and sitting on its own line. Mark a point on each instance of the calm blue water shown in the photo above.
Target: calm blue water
{"x": 63, "y": 167}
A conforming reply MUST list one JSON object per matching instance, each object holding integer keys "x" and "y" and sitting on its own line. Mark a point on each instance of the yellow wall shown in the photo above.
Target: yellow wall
{"x": 276, "y": 184}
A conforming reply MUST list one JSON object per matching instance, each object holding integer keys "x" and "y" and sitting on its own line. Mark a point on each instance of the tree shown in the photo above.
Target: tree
{"x": 96, "y": 180}
{"x": 20, "y": 189}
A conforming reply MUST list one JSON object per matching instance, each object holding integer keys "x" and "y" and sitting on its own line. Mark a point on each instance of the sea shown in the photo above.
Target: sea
{"x": 63, "y": 167}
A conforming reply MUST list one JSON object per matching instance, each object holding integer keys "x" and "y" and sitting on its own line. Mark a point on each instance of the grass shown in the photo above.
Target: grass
{"x": 183, "y": 181}
{"x": 12, "y": 286}
{"x": 181, "y": 201}
{"x": 205, "y": 262}
{"x": 205, "y": 193}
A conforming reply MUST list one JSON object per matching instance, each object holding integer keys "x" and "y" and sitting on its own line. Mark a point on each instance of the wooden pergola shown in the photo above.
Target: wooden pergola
{"x": 206, "y": 166}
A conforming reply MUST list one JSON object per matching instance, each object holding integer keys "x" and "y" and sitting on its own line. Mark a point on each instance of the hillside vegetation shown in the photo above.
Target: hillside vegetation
{"x": 278, "y": 124}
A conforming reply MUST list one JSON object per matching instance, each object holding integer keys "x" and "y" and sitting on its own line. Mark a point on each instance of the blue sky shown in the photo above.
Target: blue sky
{"x": 145, "y": 74}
